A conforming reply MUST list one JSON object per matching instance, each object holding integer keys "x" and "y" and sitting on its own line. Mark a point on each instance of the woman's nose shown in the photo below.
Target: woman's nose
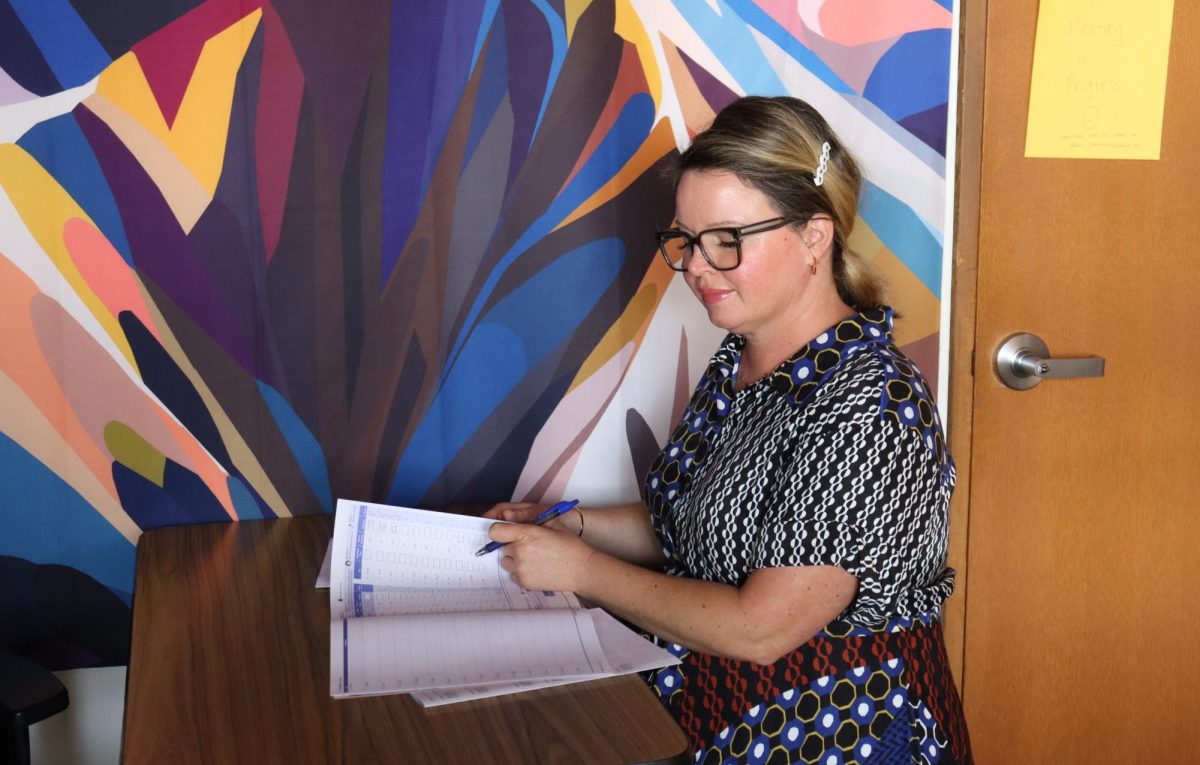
{"x": 695, "y": 263}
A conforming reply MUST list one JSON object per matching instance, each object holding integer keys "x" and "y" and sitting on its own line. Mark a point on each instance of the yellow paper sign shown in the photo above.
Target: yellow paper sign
{"x": 1099, "y": 79}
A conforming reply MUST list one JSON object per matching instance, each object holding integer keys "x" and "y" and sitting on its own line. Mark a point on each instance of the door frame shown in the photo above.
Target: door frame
{"x": 963, "y": 291}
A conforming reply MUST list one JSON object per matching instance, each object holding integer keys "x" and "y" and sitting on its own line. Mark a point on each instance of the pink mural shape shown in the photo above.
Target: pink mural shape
{"x": 10, "y": 91}
{"x": 104, "y": 271}
{"x": 857, "y": 22}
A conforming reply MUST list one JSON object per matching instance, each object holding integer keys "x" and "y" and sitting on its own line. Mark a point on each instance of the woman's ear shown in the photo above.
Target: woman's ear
{"x": 818, "y": 234}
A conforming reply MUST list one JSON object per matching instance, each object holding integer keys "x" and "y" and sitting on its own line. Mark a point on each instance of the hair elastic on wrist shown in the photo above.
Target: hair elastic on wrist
{"x": 580, "y": 520}
{"x": 822, "y": 165}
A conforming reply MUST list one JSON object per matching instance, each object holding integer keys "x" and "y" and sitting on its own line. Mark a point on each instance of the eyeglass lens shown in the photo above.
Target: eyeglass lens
{"x": 720, "y": 247}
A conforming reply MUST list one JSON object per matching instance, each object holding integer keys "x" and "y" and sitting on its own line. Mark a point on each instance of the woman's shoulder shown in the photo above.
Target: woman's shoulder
{"x": 853, "y": 388}
{"x": 878, "y": 386}
{"x": 875, "y": 374}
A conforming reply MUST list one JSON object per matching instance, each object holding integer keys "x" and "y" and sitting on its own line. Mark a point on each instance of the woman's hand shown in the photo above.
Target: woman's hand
{"x": 539, "y": 557}
{"x": 622, "y": 531}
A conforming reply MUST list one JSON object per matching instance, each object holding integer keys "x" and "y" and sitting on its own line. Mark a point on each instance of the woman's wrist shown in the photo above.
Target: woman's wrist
{"x": 570, "y": 522}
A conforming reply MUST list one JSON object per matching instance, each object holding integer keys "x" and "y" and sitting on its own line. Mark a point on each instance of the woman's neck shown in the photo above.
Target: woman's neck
{"x": 766, "y": 350}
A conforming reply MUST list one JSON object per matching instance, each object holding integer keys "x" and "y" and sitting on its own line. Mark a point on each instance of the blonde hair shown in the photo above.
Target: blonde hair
{"x": 774, "y": 145}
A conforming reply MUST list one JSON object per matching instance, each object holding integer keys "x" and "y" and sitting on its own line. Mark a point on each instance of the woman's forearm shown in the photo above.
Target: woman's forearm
{"x": 622, "y": 531}
{"x": 616, "y": 564}
{"x": 772, "y": 613}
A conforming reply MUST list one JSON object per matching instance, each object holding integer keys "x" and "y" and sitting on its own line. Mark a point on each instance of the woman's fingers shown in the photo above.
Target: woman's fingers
{"x": 516, "y": 512}
{"x": 496, "y": 512}
{"x": 506, "y": 532}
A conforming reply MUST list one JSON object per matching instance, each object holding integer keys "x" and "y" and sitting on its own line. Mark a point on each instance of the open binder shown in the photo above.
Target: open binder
{"x": 414, "y": 610}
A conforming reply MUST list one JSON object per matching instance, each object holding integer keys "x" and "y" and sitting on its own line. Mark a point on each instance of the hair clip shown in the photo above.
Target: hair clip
{"x": 823, "y": 165}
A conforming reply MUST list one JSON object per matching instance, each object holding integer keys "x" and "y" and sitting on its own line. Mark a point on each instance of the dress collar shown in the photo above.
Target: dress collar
{"x": 807, "y": 368}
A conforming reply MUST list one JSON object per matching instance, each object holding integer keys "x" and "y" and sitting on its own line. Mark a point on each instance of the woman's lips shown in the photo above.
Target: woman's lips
{"x": 708, "y": 296}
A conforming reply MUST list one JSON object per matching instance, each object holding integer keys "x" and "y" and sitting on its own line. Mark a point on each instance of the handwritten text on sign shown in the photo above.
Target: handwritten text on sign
{"x": 1099, "y": 79}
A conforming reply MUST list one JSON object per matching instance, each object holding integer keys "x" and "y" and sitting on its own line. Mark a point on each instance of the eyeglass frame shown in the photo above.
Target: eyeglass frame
{"x": 736, "y": 232}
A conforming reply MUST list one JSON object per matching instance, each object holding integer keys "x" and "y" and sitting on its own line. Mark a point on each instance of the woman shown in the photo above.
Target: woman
{"x": 792, "y": 548}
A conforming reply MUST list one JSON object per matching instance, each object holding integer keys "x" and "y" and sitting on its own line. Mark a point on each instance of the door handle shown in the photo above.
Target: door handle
{"x": 1023, "y": 361}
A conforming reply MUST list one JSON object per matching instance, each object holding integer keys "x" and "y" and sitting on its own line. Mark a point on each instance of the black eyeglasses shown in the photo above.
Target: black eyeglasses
{"x": 721, "y": 247}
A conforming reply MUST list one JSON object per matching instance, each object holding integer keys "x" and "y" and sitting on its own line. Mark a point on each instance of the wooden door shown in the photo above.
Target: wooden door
{"x": 1082, "y": 522}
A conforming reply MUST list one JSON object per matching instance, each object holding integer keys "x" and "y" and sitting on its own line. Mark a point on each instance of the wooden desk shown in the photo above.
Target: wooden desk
{"x": 230, "y": 663}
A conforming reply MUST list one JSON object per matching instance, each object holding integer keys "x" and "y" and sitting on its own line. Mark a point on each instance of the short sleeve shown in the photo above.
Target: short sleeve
{"x": 864, "y": 496}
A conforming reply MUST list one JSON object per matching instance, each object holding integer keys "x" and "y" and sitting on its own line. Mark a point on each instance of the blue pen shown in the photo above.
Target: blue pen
{"x": 548, "y": 514}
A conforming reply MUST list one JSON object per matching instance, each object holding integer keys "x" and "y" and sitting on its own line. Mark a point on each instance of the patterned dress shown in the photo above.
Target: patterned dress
{"x": 836, "y": 458}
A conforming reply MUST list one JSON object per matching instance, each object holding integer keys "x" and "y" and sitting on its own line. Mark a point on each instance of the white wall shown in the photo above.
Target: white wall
{"x": 88, "y": 731}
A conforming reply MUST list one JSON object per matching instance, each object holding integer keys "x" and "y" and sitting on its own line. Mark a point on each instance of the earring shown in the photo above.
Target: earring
{"x": 813, "y": 267}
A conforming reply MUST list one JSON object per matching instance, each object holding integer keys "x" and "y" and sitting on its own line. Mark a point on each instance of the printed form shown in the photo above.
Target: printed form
{"x": 413, "y": 609}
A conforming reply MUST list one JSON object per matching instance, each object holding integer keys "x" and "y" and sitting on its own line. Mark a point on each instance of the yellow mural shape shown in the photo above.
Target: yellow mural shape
{"x": 135, "y": 452}
{"x": 572, "y": 10}
{"x": 197, "y": 139}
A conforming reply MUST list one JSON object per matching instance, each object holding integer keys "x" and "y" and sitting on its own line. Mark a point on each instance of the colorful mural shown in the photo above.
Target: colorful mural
{"x": 256, "y": 255}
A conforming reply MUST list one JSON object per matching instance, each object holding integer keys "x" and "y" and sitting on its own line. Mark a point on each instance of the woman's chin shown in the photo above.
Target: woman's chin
{"x": 721, "y": 319}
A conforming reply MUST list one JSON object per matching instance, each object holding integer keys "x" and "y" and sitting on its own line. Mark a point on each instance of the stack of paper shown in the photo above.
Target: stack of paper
{"x": 414, "y": 610}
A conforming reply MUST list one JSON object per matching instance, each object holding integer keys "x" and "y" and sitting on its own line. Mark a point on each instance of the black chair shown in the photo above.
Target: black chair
{"x": 29, "y": 693}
